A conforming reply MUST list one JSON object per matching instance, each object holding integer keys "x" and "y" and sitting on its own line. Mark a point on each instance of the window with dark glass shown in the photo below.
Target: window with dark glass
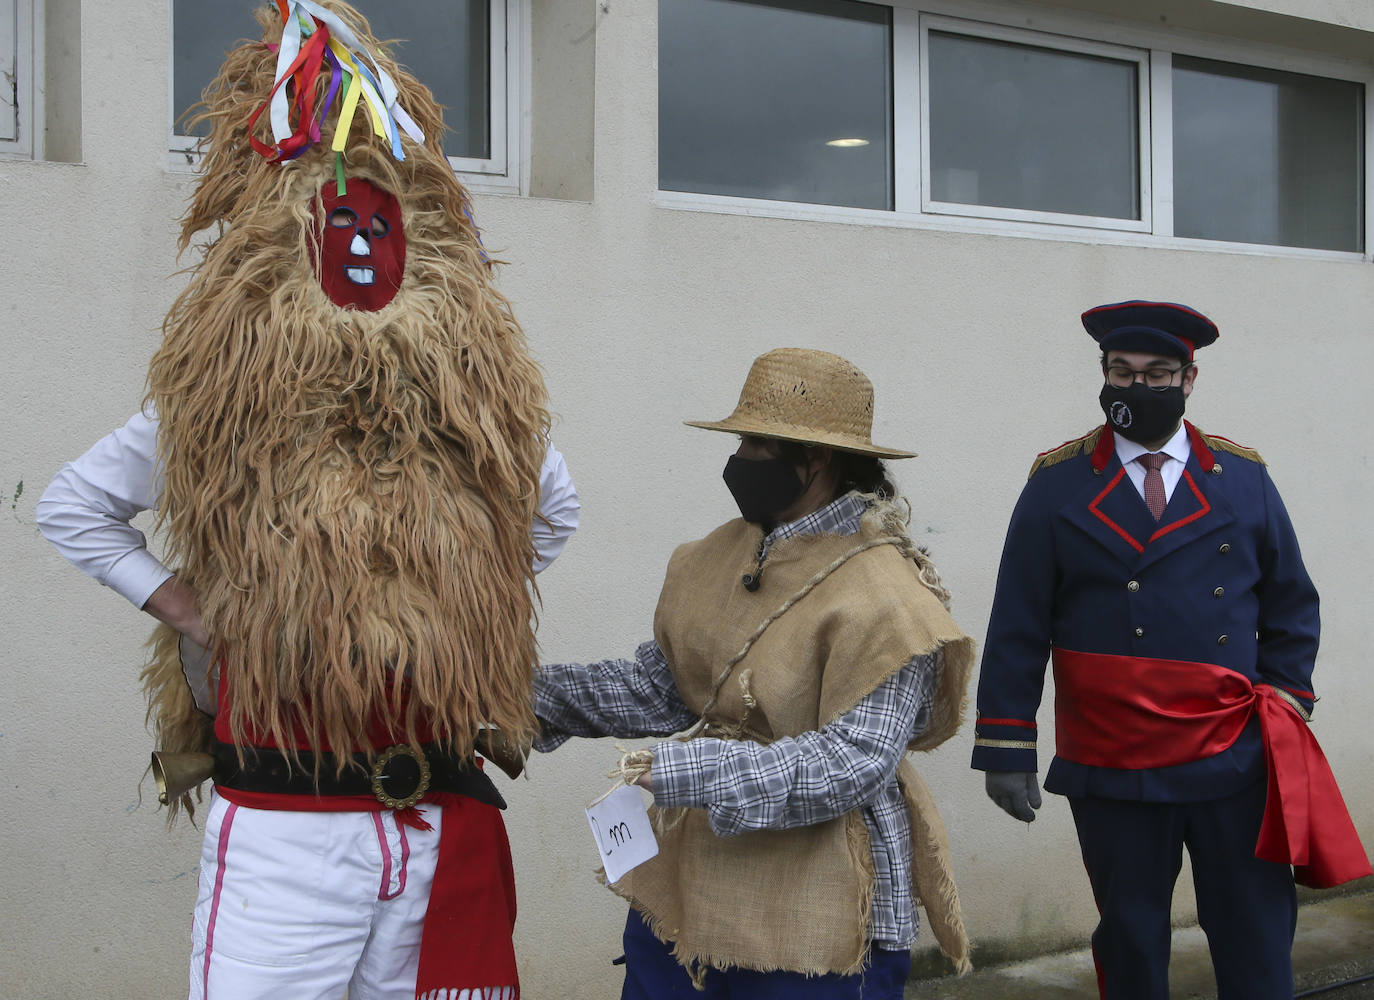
{"x": 788, "y": 100}
{"x": 1264, "y": 156}
{"x": 446, "y": 44}
{"x": 932, "y": 115}
{"x": 1038, "y": 129}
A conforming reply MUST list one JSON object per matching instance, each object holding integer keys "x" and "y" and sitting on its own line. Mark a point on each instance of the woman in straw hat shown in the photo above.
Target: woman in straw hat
{"x": 801, "y": 650}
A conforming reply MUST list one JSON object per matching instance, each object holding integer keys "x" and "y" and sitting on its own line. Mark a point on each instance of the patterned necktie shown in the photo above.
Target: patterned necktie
{"x": 1154, "y": 482}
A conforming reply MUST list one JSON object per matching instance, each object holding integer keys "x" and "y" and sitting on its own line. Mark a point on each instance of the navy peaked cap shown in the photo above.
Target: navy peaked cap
{"x": 1154, "y": 327}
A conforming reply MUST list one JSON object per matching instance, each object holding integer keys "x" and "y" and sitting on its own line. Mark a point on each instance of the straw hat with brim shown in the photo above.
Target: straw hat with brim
{"x": 813, "y": 397}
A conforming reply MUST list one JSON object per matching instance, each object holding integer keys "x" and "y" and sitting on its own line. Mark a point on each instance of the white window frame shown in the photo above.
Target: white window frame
{"x": 23, "y": 138}
{"x": 1056, "y": 43}
{"x": 1075, "y": 32}
{"x": 503, "y": 172}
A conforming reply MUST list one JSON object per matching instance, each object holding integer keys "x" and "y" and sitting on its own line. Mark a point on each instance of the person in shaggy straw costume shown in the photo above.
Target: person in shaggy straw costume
{"x": 346, "y": 440}
{"x": 804, "y": 648}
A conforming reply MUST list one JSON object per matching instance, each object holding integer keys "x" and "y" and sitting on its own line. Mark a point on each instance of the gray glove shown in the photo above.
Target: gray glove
{"x": 1017, "y": 793}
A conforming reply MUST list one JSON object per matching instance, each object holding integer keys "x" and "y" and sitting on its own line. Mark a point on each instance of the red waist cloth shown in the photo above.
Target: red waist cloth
{"x": 466, "y": 943}
{"x": 1135, "y": 713}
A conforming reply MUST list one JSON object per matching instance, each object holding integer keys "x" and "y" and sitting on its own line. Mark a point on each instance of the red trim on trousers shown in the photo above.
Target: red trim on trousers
{"x": 221, "y": 851}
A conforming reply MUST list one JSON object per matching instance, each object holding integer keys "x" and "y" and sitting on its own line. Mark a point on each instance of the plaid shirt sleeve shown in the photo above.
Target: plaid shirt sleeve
{"x": 625, "y": 698}
{"x": 806, "y": 779}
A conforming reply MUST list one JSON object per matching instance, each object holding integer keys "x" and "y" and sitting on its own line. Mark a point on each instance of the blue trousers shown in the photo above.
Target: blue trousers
{"x": 651, "y": 973}
{"x": 1248, "y": 908}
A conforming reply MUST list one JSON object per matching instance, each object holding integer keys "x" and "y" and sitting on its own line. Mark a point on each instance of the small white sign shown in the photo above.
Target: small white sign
{"x": 624, "y": 836}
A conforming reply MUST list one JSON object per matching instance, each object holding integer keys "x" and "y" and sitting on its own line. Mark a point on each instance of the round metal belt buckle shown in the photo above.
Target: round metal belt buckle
{"x": 396, "y": 769}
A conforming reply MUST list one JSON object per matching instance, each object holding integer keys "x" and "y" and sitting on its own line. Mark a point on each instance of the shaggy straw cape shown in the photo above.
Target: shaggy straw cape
{"x": 813, "y": 397}
{"x": 349, "y": 493}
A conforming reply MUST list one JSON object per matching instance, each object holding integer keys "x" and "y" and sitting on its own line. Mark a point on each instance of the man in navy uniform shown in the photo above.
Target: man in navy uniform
{"x": 1157, "y": 568}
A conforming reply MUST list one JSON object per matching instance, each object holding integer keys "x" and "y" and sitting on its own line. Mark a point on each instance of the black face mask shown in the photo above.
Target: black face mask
{"x": 762, "y": 487}
{"x": 1141, "y": 414}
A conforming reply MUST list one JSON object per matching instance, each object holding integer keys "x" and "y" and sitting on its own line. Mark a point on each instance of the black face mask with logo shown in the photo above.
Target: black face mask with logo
{"x": 762, "y": 487}
{"x": 1141, "y": 414}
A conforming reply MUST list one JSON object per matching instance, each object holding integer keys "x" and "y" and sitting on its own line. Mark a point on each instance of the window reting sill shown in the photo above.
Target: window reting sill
{"x": 682, "y": 201}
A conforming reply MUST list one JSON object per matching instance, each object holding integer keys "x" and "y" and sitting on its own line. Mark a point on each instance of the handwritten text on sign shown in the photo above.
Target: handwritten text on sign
{"x": 620, "y": 824}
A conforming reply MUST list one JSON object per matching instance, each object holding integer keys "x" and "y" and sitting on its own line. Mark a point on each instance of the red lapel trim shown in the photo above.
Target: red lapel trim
{"x": 1097, "y": 512}
{"x": 1106, "y": 448}
{"x": 1205, "y": 458}
{"x": 1202, "y": 511}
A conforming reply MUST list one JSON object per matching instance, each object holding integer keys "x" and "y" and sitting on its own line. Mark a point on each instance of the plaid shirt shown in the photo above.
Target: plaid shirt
{"x": 796, "y": 781}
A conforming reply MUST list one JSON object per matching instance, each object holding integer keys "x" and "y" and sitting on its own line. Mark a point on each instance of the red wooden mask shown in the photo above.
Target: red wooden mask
{"x": 361, "y": 259}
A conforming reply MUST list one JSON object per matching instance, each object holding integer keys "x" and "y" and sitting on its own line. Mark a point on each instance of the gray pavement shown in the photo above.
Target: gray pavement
{"x": 1335, "y": 943}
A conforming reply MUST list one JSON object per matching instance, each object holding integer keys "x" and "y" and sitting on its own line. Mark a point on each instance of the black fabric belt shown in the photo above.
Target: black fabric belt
{"x": 397, "y": 776}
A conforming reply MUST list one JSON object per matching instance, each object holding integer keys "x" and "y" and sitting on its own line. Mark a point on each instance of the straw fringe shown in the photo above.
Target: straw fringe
{"x": 349, "y": 493}
{"x": 177, "y": 724}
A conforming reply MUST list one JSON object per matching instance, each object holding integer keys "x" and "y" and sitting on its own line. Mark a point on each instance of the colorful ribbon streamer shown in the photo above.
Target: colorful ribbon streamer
{"x": 315, "y": 40}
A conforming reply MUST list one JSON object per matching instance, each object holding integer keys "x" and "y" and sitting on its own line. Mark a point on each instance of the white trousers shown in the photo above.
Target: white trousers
{"x": 306, "y": 905}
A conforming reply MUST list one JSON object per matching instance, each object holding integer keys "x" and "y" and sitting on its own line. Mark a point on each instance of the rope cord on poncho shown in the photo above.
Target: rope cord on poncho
{"x": 633, "y": 765}
{"x": 892, "y": 520}
{"x": 888, "y": 515}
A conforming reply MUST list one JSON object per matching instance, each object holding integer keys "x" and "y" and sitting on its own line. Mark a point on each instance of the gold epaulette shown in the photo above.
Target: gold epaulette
{"x": 1230, "y": 447}
{"x": 1069, "y": 449}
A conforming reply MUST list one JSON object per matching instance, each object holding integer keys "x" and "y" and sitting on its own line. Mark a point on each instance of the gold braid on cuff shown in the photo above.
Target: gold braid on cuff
{"x": 1297, "y": 705}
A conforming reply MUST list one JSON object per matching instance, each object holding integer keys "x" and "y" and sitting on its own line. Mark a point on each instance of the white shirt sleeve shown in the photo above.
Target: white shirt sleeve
{"x": 558, "y": 510}
{"x": 86, "y": 509}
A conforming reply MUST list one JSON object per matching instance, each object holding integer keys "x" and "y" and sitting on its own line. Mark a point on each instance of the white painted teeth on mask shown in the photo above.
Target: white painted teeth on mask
{"x": 481, "y": 993}
{"x": 360, "y": 275}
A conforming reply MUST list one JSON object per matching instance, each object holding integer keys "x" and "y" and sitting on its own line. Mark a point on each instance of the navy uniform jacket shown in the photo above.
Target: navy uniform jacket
{"x": 1219, "y": 579}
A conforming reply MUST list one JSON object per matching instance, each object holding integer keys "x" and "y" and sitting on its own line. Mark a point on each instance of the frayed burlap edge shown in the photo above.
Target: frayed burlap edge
{"x": 932, "y": 874}
{"x": 696, "y": 962}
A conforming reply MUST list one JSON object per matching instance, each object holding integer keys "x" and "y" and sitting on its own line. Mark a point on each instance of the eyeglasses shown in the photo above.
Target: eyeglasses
{"x": 1159, "y": 379}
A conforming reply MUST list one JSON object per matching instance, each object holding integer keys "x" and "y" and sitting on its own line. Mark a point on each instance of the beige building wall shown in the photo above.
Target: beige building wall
{"x": 642, "y": 316}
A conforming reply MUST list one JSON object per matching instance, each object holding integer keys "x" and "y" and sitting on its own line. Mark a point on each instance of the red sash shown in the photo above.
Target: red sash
{"x": 1135, "y": 713}
{"x": 466, "y": 944}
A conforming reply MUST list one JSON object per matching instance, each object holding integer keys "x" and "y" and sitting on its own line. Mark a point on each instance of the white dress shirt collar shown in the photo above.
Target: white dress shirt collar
{"x": 1177, "y": 447}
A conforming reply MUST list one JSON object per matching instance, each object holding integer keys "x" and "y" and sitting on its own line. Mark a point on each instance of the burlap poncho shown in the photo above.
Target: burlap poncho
{"x": 834, "y": 616}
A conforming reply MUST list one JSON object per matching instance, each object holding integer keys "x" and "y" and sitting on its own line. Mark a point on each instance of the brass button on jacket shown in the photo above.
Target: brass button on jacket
{"x": 1221, "y": 639}
{"x": 1133, "y": 586}
{"x": 1139, "y": 632}
{"x": 1224, "y": 548}
{"x": 1219, "y": 592}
